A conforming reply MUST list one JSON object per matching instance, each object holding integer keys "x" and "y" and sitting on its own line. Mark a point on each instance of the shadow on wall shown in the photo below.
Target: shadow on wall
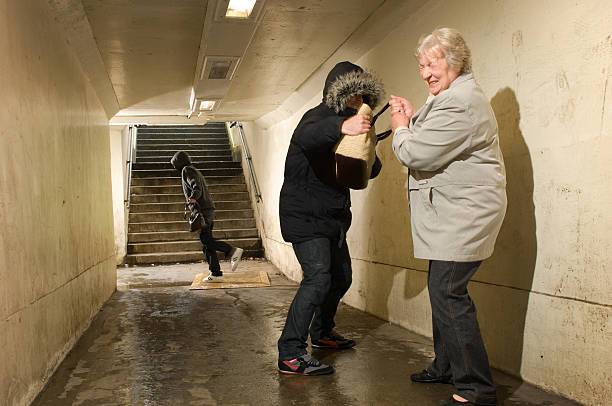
{"x": 503, "y": 313}
{"x": 387, "y": 236}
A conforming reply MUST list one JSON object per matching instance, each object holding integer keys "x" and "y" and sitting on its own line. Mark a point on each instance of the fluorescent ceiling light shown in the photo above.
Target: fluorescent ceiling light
{"x": 240, "y": 8}
{"x": 207, "y": 105}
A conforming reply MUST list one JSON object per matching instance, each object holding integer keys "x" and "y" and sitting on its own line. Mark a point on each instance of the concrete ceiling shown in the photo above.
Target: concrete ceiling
{"x": 154, "y": 51}
{"x": 293, "y": 39}
{"x": 150, "y": 50}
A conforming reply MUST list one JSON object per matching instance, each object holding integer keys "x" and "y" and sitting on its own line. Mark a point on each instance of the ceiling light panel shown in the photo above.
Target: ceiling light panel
{"x": 238, "y": 11}
{"x": 207, "y": 105}
{"x": 240, "y": 8}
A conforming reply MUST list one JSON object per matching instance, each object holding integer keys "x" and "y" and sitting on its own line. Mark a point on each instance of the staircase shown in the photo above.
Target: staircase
{"x": 157, "y": 231}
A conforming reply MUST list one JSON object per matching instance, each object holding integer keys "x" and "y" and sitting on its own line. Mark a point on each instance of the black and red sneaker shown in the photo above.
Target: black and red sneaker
{"x": 304, "y": 365}
{"x": 333, "y": 341}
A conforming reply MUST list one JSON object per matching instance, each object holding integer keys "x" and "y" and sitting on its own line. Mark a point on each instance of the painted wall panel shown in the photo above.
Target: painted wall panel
{"x": 57, "y": 253}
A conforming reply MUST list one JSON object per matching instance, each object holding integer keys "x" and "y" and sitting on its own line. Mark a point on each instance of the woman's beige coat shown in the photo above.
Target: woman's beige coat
{"x": 457, "y": 181}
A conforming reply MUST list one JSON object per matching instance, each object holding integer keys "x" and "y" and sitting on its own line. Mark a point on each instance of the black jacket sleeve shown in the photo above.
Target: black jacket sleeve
{"x": 193, "y": 182}
{"x": 315, "y": 132}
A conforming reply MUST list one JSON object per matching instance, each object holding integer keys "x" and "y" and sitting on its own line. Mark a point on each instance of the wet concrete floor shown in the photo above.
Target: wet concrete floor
{"x": 157, "y": 343}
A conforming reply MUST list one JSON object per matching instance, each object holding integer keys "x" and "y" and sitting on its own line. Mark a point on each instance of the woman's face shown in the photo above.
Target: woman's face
{"x": 434, "y": 70}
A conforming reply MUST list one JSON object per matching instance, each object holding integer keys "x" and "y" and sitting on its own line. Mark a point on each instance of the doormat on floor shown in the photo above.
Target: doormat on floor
{"x": 233, "y": 281}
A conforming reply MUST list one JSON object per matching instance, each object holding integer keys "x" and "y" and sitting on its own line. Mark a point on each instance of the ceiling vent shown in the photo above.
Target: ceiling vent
{"x": 219, "y": 67}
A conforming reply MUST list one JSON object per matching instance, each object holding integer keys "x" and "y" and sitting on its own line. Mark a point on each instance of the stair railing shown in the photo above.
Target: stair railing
{"x": 132, "y": 134}
{"x": 249, "y": 159}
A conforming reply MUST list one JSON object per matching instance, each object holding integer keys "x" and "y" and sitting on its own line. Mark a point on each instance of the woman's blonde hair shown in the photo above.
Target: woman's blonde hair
{"x": 452, "y": 45}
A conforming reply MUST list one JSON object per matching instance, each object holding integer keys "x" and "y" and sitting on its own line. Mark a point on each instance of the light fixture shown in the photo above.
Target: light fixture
{"x": 207, "y": 105}
{"x": 240, "y": 8}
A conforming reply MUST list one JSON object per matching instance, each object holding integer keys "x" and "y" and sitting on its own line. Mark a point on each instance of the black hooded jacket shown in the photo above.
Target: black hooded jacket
{"x": 194, "y": 184}
{"x": 312, "y": 203}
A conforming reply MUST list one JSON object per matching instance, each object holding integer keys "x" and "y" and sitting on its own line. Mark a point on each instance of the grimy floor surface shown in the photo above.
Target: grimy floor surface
{"x": 157, "y": 343}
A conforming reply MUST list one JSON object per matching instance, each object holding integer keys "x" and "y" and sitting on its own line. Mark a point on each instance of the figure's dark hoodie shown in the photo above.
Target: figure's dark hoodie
{"x": 194, "y": 184}
{"x": 312, "y": 203}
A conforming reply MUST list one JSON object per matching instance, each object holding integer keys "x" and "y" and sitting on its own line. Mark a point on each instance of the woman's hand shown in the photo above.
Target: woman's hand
{"x": 358, "y": 124}
{"x": 401, "y": 112}
{"x": 400, "y": 105}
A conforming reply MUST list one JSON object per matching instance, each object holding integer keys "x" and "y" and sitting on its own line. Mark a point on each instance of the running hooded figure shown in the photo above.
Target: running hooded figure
{"x": 315, "y": 216}
{"x": 196, "y": 193}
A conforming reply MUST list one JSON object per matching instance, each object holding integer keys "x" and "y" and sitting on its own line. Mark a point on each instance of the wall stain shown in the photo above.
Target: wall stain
{"x": 517, "y": 43}
{"x": 562, "y": 82}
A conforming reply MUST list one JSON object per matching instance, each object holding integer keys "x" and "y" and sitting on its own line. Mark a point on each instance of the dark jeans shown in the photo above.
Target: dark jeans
{"x": 459, "y": 348}
{"x": 326, "y": 267}
{"x": 210, "y": 246}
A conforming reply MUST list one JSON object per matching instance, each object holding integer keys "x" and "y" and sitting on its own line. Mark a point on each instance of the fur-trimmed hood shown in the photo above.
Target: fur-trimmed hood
{"x": 346, "y": 80}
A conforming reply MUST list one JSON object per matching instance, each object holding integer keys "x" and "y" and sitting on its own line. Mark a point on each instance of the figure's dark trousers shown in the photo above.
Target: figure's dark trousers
{"x": 460, "y": 351}
{"x": 210, "y": 246}
{"x": 327, "y": 276}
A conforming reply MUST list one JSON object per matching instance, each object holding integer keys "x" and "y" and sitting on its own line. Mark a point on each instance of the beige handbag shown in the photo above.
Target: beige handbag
{"x": 355, "y": 155}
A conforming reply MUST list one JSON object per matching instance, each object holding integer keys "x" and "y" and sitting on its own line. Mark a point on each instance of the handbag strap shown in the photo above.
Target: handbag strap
{"x": 383, "y": 135}
{"x": 379, "y": 113}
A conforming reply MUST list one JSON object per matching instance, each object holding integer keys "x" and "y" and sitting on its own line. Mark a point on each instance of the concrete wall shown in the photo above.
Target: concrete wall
{"x": 57, "y": 260}
{"x": 544, "y": 297}
{"x": 119, "y": 155}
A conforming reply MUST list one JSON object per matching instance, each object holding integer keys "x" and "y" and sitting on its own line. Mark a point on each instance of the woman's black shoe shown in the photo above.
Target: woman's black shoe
{"x": 426, "y": 377}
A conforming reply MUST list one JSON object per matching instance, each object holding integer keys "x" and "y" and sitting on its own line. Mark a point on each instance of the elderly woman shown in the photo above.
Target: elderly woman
{"x": 457, "y": 202}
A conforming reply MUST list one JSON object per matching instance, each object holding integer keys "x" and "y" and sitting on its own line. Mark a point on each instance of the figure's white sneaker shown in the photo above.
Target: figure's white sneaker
{"x": 213, "y": 278}
{"x": 235, "y": 258}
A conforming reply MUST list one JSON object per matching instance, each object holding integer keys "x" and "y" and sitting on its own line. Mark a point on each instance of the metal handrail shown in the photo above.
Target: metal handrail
{"x": 133, "y": 131}
{"x": 249, "y": 159}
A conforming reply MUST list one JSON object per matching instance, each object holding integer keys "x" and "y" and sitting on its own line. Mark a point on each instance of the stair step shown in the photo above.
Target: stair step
{"x": 184, "y": 257}
{"x": 176, "y": 181}
{"x": 180, "y": 198}
{"x": 166, "y": 173}
{"x": 182, "y": 147}
{"x": 143, "y": 217}
{"x": 177, "y": 189}
{"x": 182, "y": 140}
{"x": 218, "y": 130}
{"x": 196, "y": 159}
{"x": 161, "y": 132}
{"x": 208, "y": 124}
{"x": 180, "y": 128}
{"x": 171, "y": 236}
{"x": 186, "y": 136}
{"x": 199, "y": 165}
{"x": 178, "y": 246}
{"x": 172, "y": 207}
{"x": 184, "y": 128}
{"x": 183, "y": 226}
{"x": 169, "y": 153}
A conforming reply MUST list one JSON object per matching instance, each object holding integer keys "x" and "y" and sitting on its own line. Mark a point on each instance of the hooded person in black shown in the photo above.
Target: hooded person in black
{"x": 197, "y": 196}
{"x": 315, "y": 216}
